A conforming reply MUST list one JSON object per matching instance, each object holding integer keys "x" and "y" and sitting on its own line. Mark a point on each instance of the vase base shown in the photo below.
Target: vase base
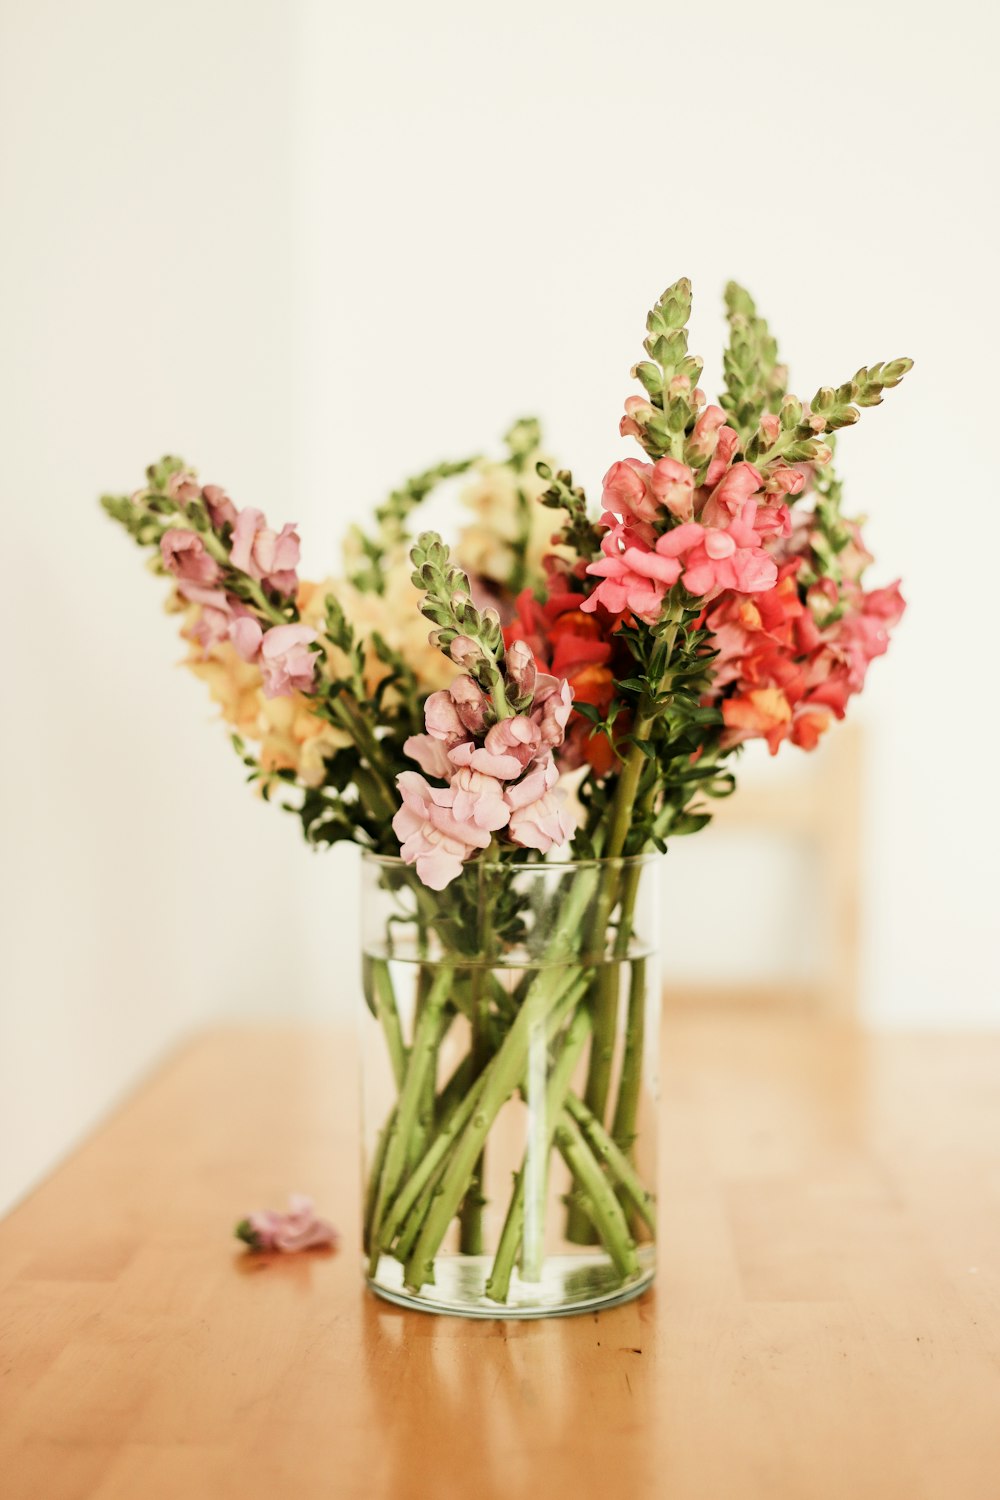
{"x": 569, "y": 1284}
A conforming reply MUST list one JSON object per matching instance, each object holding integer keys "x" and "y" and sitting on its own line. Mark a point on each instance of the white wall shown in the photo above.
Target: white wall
{"x": 313, "y": 249}
{"x": 146, "y": 307}
{"x": 494, "y": 196}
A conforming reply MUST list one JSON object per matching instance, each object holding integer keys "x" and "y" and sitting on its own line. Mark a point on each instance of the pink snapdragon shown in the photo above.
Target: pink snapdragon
{"x": 538, "y": 819}
{"x": 300, "y": 1228}
{"x": 184, "y": 555}
{"x": 500, "y": 775}
{"x": 640, "y": 494}
{"x": 270, "y": 557}
{"x": 287, "y": 665}
{"x": 221, "y": 510}
{"x": 431, "y": 837}
{"x": 217, "y": 613}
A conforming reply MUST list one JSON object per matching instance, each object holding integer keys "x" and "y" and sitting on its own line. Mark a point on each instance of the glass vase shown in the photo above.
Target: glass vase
{"x": 510, "y": 1049}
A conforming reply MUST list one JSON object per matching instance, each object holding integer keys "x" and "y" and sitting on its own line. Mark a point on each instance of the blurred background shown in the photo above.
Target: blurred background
{"x": 315, "y": 248}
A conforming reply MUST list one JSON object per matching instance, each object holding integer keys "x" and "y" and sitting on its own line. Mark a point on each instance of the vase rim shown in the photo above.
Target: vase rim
{"x": 534, "y": 867}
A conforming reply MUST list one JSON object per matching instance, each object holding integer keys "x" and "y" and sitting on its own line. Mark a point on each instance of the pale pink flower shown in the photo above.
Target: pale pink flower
{"x": 430, "y": 754}
{"x": 538, "y": 818}
{"x": 471, "y": 704}
{"x": 552, "y": 708}
{"x": 520, "y": 669}
{"x": 464, "y": 651}
{"x": 298, "y": 1229}
{"x": 502, "y": 765}
{"x": 479, "y": 799}
{"x": 268, "y": 556}
{"x": 430, "y": 836}
{"x": 520, "y": 737}
{"x": 246, "y": 635}
{"x": 221, "y": 510}
{"x": 182, "y": 486}
{"x": 184, "y": 556}
{"x": 216, "y": 613}
{"x": 441, "y": 718}
{"x": 286, "y": 663}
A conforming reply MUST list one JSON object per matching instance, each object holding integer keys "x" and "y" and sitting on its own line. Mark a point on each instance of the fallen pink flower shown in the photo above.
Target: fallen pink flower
{"x": 300, "y": 1228}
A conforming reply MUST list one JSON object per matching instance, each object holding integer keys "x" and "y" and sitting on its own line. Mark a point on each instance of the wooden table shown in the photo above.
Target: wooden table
{"x": 826, "y": 1325}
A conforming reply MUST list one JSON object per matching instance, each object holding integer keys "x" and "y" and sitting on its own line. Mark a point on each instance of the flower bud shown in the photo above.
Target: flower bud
{"x": 471, "y": 704}
{"x": 465, "y": 651}
{"x": 520, "y": 670}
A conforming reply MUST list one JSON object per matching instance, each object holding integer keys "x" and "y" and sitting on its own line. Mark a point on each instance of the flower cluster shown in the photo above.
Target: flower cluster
{"x": 718, "y": 597}
{"x": 582, "y": 648}
{"x": 498, "y": 772}
{"x": 789, "y": 659}
{"x": 224, "y": 561}
{"x": 662, "y": 527}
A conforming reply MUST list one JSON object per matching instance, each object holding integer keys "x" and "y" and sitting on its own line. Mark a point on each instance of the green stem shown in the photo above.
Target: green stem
{"x": 539, "y": 1146}
{"x": 618, "y": 1166}
{"x": 382, "y": 1001}
{"x": 602, "y": 1205}
{"x": 501, "y": 1076}
{"x": 629, "y": 1086}
{"x": 470, "y": 1240}
{"x": 427, "y": 1034}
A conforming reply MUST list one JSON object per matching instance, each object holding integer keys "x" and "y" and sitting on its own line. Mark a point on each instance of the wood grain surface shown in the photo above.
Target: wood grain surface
{"x": 826, "y": 1323}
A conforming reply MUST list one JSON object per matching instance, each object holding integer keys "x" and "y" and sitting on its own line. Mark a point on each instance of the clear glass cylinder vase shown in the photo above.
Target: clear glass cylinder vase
{"x": 510, "y": 1051}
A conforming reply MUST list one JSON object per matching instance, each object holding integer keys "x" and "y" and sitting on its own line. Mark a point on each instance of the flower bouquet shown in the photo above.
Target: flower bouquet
{"x": 513, "y": 733}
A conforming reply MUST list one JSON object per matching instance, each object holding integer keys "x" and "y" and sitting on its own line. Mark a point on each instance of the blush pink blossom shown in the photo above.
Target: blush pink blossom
{"x": 519, "y": 737}
{"x": 217, "y": 613}
{"x": 430, "y": 754}
{"x": 538, "y": 819}
{"x": 471, "y": 704}
{"x": 498, "y": 763}
{"x": 300, "y": 1228}
{"x": 268, "y": 556}
{"x": 430, "y": 836}
{"x": 479, "y": 799}
{"x": 221, "y": 510}
{"x": 552, "y": 708}
{"x": 441, "y": 718}
{"x": 287, "y": 665}
{"x": 183, "y": 553}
